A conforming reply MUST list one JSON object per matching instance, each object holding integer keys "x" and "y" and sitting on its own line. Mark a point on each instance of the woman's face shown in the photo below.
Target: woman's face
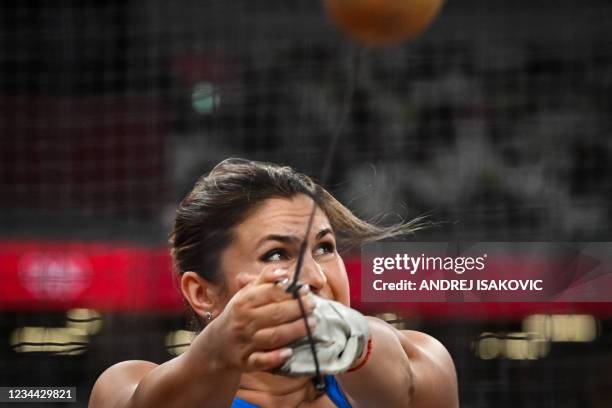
{"x": 271, "y": 238}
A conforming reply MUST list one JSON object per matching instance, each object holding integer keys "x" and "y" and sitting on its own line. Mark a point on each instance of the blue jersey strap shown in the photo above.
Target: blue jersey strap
{"x": 334, "y": 393}
{"x": 238, "y": 403}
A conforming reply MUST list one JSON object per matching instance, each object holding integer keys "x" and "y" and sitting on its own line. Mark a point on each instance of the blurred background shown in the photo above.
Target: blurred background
{"x": 495, "y": 122}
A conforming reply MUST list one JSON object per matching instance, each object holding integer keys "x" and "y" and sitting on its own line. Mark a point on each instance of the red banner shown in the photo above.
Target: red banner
{"x": 47, "y": 276}
{"x": 107, "y": 277}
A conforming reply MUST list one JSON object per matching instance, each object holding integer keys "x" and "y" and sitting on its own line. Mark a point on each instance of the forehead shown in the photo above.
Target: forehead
{"x": 283, "y": 216}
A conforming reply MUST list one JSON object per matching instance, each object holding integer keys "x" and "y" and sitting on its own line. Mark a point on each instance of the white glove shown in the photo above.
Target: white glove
{"x": 341, "y": 336}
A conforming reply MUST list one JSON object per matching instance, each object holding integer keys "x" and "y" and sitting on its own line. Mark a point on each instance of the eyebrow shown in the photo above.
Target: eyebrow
{"x": 292, "y": 239}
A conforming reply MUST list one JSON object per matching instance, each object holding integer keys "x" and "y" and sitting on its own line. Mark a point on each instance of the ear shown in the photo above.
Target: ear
{"x": 202, "y": 295}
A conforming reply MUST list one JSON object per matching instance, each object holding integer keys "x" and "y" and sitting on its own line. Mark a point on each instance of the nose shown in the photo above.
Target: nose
{"x": 312, "y": 274}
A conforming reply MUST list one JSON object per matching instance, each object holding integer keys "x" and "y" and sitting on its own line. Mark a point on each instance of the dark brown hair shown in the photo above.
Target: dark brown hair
{"x": 235, "y": 188}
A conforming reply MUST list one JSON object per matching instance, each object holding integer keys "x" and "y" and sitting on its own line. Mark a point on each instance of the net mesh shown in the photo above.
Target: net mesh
{"x": 495, "y": 122}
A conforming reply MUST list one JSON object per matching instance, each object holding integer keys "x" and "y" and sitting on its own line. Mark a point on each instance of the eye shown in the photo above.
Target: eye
{"x": 324, "y": 248}
{"x": 275, "y": 255}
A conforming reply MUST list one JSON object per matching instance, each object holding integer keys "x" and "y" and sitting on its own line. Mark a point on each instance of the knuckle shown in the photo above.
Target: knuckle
{"x": 238, "y": 332}
{"x": 258, "y": 361}
{"x": 254, "y": 358}
{"x": 277, "y": 313}
{"x": 260, "y": 338}
{"x": 240, "y": 302}
{"x": 253, "y": 361}
{"x": 274, "y": 337}
{"x": 234, "y": 331}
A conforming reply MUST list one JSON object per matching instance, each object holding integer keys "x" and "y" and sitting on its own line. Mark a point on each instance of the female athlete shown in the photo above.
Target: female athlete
{"x": 236, "y": 242}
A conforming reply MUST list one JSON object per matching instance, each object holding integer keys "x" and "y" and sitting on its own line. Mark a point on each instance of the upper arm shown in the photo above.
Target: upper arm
{"x": 433, "y": 372}
{"x": 115, "y": 386}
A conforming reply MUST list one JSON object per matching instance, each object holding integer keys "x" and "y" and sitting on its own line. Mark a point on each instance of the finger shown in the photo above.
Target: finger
{"x": 263, "y": 361}
{"x": 277, "y": 313}
{"x": 244, "y": 279}
{"x": 270, "y": 274}
{"x": 266, "y": 293}
{"x": 272, "y": 338}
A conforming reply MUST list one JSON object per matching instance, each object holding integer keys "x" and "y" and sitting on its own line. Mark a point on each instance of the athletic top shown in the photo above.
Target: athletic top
{"x": 333, "y": 391}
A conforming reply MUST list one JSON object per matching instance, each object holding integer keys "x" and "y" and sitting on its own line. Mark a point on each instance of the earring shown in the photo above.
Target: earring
{"x": 208, "y": 316}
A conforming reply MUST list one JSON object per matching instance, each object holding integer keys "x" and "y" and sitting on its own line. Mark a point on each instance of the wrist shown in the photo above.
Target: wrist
{"x": 209, "y": 350}
{"x": 205, "y": 377}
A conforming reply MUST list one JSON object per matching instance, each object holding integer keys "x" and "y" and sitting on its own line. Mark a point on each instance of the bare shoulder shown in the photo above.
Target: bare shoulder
{"x": 117, "y": 383}
{"x": 434, "y": 372}
{"x": 426, "y": 344}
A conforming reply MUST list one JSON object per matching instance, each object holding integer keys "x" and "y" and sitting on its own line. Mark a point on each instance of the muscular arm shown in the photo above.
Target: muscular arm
{"x": 406, "y": 369}
{"x": 249, "y": 335}
{"x": 181, "y": 382}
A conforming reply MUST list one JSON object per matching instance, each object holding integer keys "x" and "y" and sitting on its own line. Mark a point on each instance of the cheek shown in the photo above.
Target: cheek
{"x": 231, "y": 266}
{"x": 339, "y": 283}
